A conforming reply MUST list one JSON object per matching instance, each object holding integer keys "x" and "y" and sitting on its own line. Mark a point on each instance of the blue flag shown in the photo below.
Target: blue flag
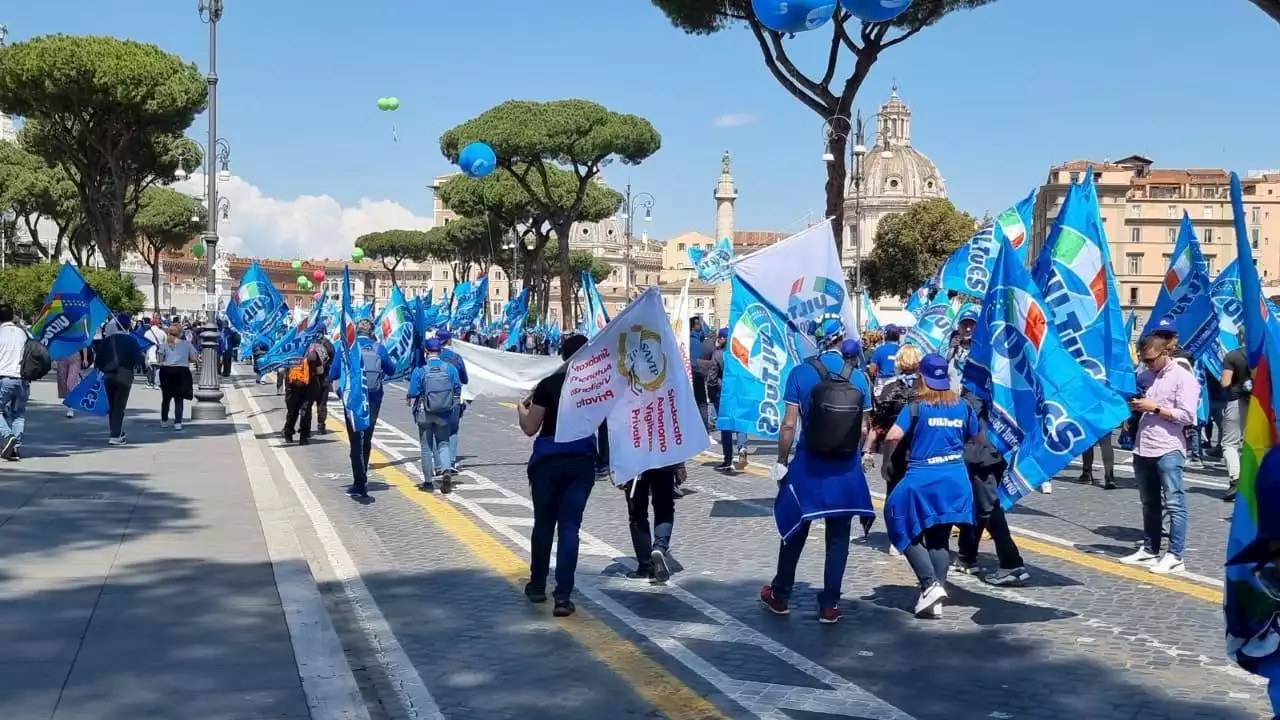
{"x": 713, "y": 265}
{"x": 468, "y": 303}
{"x": 870, "y": 321}
{"x": 1045, "y": 409}
{"x": 514, "y": 316}
{"x": 969, "y": 267}
{"x": 922, "y": 297}
{"x": 351, "y": 382}
{"x": 1185, "y": 295}
{"x": 90, "y": 395}
{"x": 257, "y": 308}
{"x": 763, "y": 353}
{"x": 1225, "y": 293}
{"x": 933, "y": 328}
{"x": 139, "y": 336}
{"x": 71, "y": 315}
{"x": 1074, "y": 275}
{"x": 597, "y": 317}
{"x": 395, "y": 329}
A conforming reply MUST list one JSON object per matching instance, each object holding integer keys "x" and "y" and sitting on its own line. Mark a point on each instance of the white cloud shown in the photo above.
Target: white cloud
{"x": 736, "y": 119}
{"x": 308, "y": 226}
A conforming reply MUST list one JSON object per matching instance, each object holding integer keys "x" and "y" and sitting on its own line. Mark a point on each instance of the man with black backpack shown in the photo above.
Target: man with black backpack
{"x": 301, "y": 383}
{"x": 326, "y": 384}
{"x": 831, "y": 400}
{"x": 435, "y": 391}
{"x": 22, "y": 360}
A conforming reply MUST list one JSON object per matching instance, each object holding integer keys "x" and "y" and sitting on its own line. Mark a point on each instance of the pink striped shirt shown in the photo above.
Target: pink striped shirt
{"x": 1173, "y": 389}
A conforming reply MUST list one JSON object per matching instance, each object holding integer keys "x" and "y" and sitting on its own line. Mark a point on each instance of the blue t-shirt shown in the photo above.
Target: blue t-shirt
{"x": 940, "y": 434}
{"x": 417, "y": 381}
{"x": 804, "y": 378}
{"x": 884, "y": 358}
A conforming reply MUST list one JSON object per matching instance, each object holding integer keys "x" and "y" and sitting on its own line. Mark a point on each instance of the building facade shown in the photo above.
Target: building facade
{"x": 1142, "y": 208}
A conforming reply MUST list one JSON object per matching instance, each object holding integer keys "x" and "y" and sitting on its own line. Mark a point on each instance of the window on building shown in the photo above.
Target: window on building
{"x": 1171, "y": 211}
{"x": 1211, "y": 262}
{"x": 1208, "y": 235}
{"x": 1171, "y": 234}
{"x": 1097, "y": 177}
{"x": 697, "y": 303}
{"x": 1135, "y": 211}
{"x": 1137, "y": 324}
{"x": 1257, "y": 213}
{"x": 1208, "y": 212}
{"x": 1135, "y": 235}
{"x": 680, "y": 247}
{"x": 1133, "y": 295}
{"x": 1253, "y": 237}
{"x": 1133, "y": 263}
{"x": 1075, "y": 177}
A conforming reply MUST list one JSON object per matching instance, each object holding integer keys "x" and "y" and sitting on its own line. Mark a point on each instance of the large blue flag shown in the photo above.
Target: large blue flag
{"x": 514, "y": 317}
{"x": 71, "y": 315}
{"x": 351, "y": 382}
{"x": 1185, "y": 295}
{"x": 1074, "y": 275}
{"x": 933, "y": 328}
{"x": 969, "y": 267}
{"x": 289, "y": 350}
{"x": 90, "y": 395}
{"x": 257, "y": 308}
{"x": 1225, "y": 293}
{"x": 597, "y": 317}
{"x": 1045, "y": 409}
{"x": 395, "y": 329}
{"x": 469, "y": 301}
{"x": 713, "y": 265}
{"x": 869, "y": 321}
{"x": 763, "y": 353}
{"x": 920, "y": 299}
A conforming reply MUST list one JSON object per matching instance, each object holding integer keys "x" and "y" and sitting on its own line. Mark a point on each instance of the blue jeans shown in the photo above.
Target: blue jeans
{"x": 433, "y": 437}
{"x": 560, "y": 486}
{"x": 838, "y": 529}
{"x": 361, "y": 442}
{"x": 13, "y": 406}
{"x": 1161, "y": 490}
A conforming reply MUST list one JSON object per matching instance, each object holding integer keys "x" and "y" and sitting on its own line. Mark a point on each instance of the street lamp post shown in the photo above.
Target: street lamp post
{"x": 831, "y": 130}
{"x": 208, "y": 395}
{"x": 630, "y": 203}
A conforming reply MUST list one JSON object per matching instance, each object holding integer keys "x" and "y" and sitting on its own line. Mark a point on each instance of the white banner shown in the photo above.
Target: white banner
{"x": 802, "y": 277}
{"x": 680, "y": 325}
{"x": 502, "y": 375}
{"x": 625, "y": 375}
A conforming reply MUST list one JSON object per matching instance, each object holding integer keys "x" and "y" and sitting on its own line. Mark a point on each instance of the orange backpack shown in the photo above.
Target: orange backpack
{"x": 300, "y": 374}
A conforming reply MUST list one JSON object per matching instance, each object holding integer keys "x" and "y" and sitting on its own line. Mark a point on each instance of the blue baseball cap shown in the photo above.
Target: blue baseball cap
{"x": 829, "y": 328}
{"x": 850, "y": 348}
{"x": 723, "y": 333}
{"x": 433, "y": 345}
{"x": 1167, "y": 324}
{"x": 444, "y": 336}
{"x": 933, "y": 369}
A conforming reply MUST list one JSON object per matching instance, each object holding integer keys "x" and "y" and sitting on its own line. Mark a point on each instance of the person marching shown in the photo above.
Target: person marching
{"x": 435, "y": 391}
{"x": 116, "y": 356}
{"x": 449, "y": 355}
{"x": 325, "y": 385}
{"x": 70, "y": 371}
{"x": 377, "y": 367}
{"x": 658, "y": 486}
{"x": 175, "y": 358}
{"x": 1237, "y": 388}
{"x": 830, "y": 400}
{"x": 882, "y": 367}
{"x": 935, "y": 492}
{"x": 729, "y": 440}
{"x": 301, "y": 386}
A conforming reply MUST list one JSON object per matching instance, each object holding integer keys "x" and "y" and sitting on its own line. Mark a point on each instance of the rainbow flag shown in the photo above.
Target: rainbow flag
{"x": 1252, "y": 610}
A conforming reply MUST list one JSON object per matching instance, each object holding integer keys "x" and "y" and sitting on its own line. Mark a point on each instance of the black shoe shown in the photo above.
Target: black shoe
{"x": 563, "y": 608}
{"x": 322, "y": 430}
{"x": 446, "y": 482}
{"x": 356, "y": 491}
{"x": 304, "y": 441}
{"x": 643, "y": 573}
{"x": 427, "y": 486}
{"x": 1110, "y": 484}
{"x": 725, "y": 466}
{"x": 10, "y": 449}
{"x": 536, "y": 594}
{"x": 1230, "y": 495}
{"x": 1085, "y": 479}
{"x": 288, "y": 437}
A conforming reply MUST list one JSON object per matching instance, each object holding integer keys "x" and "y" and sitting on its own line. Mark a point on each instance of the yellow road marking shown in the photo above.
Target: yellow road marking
{"x": 1093, "y": 562}
{"x": 653, "y": 682}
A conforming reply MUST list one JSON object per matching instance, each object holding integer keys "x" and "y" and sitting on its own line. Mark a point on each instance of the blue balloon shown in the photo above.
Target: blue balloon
{"x": 477, "y": 160}
{"x": 876, "y": 10}
{"x": 793, "y": 16}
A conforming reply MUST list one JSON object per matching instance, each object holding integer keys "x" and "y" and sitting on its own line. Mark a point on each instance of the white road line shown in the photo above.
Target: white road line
{"x": 401, "y": 673}
{"x": 327, "y": 680}
{"x": 765, "y": 700}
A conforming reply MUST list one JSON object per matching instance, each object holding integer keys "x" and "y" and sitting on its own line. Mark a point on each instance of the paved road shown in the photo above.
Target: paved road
{"x": 444, "y": 627}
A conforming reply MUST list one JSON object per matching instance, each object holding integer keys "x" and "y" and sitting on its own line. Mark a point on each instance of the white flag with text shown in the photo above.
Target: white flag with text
{"x": 680, "y": 325}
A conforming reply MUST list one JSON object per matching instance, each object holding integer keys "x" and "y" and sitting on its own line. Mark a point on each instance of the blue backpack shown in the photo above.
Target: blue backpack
{"x": 372, "y": 361}
{"x": 437, "y": 388}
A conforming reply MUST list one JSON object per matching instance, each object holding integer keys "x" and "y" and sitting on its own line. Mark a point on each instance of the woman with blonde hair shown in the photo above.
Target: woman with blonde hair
{"x": 934, "y": 493}
{"x": 176, "y": 356}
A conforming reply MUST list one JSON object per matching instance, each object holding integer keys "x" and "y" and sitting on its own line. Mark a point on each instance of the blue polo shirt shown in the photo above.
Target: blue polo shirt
{"x": 884, "y": 358}
{"x": 940, "y": 434}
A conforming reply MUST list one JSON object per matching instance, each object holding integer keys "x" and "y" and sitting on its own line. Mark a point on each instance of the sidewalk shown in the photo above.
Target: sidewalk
{"x": 136, "y": 582}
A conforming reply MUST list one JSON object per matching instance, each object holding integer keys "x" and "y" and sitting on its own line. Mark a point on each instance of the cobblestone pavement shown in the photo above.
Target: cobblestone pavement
{"x": 1088, "y": 638}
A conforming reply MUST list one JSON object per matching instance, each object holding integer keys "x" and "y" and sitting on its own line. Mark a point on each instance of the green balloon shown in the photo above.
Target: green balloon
{"x": 382, "y": 103}
{"x": 357, "y": 254}
{"x": 393, "y": 103}
{"x": 302, "y": 280}
{"x": 198, "y": 250}
{"x": 297, "y": 264}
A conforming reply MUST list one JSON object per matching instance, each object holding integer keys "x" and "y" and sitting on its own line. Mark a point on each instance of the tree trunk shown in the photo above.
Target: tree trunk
{"x": 837, "y": 174}
{"x": 566, "y": 274}
{"x": 155, "y": 284}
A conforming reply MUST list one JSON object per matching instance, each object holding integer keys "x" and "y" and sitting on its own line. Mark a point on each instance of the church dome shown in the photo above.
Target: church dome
{"x": 892, "y": 168}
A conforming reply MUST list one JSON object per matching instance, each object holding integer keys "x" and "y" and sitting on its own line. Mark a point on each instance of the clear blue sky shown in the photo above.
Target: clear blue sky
{"x": 998, "y": 94}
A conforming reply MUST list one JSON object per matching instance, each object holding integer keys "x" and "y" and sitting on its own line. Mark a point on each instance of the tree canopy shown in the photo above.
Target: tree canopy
{"x": 26, "y": 287}
{"x": 110, "y": 113}
{"x": 463, "y": 243}
{"x": 533, "y": 138}
{"x": 831, "y": 90}
{"x": 166, "y": 220}
{"x": 1270, "y": 7}
{"x": 393, "y": 247}
{"x": 909, "y": 248}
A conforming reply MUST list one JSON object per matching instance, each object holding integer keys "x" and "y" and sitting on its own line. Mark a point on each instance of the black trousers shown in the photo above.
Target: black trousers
{"x": 118, "y": 384}
{"x": 656, "y": 487}
{"x": 989, "y": 516}
{"x": 1108, "y": 459}
{"x": 224, "y": 363}
{"x": 322, "y": 404}
{"x": 297, "y": 402}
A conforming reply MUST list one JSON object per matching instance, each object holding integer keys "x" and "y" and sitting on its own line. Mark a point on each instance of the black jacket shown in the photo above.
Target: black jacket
{"x": 978, "y": 450}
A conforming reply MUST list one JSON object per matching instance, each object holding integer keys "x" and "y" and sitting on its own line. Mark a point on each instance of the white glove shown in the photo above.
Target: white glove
{"x": 778, "y": 472}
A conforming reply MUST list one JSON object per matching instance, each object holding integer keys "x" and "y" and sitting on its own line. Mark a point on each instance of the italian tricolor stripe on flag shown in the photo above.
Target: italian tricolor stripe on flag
{"x": 1178, "y": 269}
{"x": 1084, "y": 258}
{"x": 1024, "y": 313}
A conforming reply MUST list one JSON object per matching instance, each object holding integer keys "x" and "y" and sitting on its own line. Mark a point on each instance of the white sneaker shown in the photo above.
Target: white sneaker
{"x": 164, "y": 423}
{"x": 1140, "y": 557}
{"x": 71, "y": 413}
{"x": 936, "y": 613}
{"x": 894, "y": 551}
{"x": 115, "y": 441}
{"x": 177, "y": 426}
{"x": 930, "y": 597}
{"x": 1168, "y": 563}
{"x": 1047, "y": 488}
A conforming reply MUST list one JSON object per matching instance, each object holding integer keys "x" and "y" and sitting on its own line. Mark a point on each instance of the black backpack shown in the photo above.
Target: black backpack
{"x": 36, "y": 362}
{"x": 833, "y": 428}
{"x": 896, "y": 453}
{"x": 893, "y": 397}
